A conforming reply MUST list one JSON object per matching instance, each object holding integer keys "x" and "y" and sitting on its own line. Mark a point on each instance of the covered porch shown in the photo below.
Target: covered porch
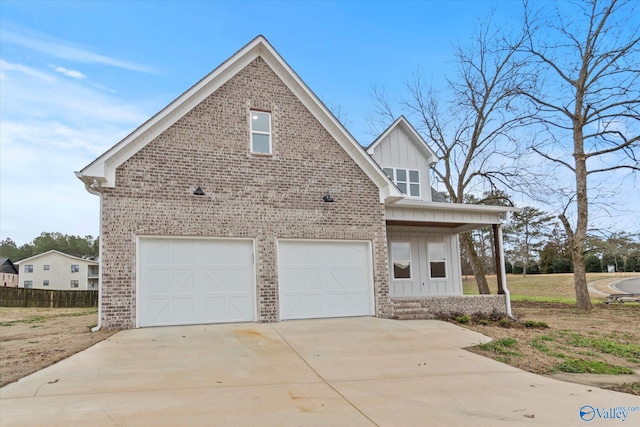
{"x": 425, "y": 277}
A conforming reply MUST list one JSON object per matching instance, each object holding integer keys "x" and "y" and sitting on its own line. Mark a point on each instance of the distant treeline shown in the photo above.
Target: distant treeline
{"x": 81, "y": 247}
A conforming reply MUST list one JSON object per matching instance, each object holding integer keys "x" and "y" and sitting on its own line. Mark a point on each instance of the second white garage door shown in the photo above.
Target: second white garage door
{"x": 319, "y": 278}
{"x": 191, "y": 281}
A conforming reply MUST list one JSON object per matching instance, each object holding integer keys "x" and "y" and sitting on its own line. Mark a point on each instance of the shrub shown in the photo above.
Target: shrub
{"x": 533, "y": 269}
{"x": 612, "y": 259}
{"x": 561, "y": 265}
{"x": 633, "y": 262}
{"x": 508, "y": 267}
{"x": 517, "y": 268}
{"x": 592, "y": 264}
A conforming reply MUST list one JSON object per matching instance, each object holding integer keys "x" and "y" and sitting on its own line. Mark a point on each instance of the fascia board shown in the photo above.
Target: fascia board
{"x": 456, "y": 207}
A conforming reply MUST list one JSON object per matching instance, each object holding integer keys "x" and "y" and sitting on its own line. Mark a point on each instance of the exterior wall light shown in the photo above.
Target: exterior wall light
{"x": 327, "y": 198}
{"x": 199, "y": 192}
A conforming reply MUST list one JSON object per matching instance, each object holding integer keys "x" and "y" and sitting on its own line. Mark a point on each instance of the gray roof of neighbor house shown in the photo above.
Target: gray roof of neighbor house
{"x": 437, "y": 196}
{"x": 7, "y": 266}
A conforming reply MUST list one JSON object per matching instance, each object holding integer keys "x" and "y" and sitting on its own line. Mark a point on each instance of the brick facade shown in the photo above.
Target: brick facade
{"x": 263, "y": 197}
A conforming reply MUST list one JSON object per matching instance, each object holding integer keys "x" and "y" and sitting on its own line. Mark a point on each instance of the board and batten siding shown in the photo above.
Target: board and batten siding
{"x": 420, "y": 284}
{"x": 397, "y": 151}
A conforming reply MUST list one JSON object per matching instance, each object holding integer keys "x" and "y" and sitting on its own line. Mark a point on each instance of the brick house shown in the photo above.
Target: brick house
{"x": 246, "y": 200}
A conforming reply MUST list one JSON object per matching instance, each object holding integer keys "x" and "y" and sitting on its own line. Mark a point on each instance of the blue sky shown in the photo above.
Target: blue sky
{"x": 77, "y": 76}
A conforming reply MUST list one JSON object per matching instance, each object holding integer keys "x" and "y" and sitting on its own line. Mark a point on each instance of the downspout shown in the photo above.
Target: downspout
{"x": 93, "y": 189}
{"x": 503, "y": 273}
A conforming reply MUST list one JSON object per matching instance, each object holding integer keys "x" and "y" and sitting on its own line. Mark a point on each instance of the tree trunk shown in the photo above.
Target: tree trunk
{"x": 583, "y": 300}
{"x": 476, "y": 264}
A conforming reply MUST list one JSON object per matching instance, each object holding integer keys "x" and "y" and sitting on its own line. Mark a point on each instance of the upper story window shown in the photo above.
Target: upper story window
{"x": 260, "y": 132}
{"x": 46, "y": 266}
{"x": 28, "y": 268}
{"x": 75, "y": 268}
{"x": 407, "y": 180}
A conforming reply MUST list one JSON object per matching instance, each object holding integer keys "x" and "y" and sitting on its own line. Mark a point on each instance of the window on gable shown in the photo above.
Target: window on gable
{"x": 407, "y": 180}
{"x": 260, "y": 132}
{"x": 401, "y": 260}
{"x": 75, "y": 268}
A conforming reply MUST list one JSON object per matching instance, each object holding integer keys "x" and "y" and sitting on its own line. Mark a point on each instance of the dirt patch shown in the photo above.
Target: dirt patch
{"x": 576, "y": 346}
{"x": 34, "y": 338}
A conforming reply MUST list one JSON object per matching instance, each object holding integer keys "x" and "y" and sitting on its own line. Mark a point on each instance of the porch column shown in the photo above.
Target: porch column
{"x": 499, "y": 257}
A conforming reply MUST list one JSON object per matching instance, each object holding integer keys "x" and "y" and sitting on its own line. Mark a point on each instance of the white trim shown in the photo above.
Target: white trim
{"x": 392, "y": 270}
{"x": 252, "y": 132}
{"x": 444, "y": 260}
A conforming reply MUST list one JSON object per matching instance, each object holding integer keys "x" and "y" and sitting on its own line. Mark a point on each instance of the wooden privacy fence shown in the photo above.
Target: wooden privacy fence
{"x": 23, "y": 297}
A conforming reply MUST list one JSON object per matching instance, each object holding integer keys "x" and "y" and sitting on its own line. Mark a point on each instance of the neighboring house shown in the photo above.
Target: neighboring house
{"x": 246, "y": 200}
{"x": 9, "y": 273}
{"x": 56, "y": 270}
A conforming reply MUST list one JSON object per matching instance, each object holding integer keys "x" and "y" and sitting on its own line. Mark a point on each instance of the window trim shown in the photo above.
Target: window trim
{"x": 394, "y": 260}
{"x": 443, "y": 261}
{"x": 407, "y": 182}
{"x": 253, "y": 132}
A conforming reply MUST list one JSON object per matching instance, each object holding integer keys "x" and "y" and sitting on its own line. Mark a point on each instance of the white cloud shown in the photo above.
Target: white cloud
{"x": 6, "y": 66}
{"x": 69, "y": 73}
{"x": 51, "y": 46}
{"x": 51, "y": 126}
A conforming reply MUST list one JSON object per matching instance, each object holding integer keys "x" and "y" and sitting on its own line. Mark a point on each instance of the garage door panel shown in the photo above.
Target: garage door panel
{"x": 324, "y": 279}
{"x": 191, "y": 281}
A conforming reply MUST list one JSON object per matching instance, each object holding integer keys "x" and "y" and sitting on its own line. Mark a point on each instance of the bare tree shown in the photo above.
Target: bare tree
{"x": 526, "y": 233}
{"x": 585, "y": 64}
{"x": 469, "y": 124}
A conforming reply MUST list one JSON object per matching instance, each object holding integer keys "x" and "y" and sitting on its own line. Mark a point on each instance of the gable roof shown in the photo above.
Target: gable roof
{"x": 53, "y": 251}
{"x": 402, "y": 123}
{"x": 102, "y": 171}
{"x": 6, "y": 266}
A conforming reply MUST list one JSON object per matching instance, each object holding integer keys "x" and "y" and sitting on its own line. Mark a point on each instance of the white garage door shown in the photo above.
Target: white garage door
{"x": 324, "y": 279}
{"x": 191, "y": 281}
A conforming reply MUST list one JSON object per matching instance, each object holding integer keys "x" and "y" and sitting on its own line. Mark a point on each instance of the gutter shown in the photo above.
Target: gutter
{"x": 93, "y": 189}
{"x": 503, "y": 274}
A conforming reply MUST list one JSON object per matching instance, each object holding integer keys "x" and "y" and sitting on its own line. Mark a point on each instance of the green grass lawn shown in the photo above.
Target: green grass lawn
{"x": 541, "y": 287}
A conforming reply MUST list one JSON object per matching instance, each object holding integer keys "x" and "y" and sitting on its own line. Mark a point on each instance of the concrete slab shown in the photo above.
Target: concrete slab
{"x": 329, "y": 372}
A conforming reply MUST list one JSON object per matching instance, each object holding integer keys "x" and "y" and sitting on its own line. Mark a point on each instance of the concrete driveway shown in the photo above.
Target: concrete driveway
{"x": 330, "y": 372}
